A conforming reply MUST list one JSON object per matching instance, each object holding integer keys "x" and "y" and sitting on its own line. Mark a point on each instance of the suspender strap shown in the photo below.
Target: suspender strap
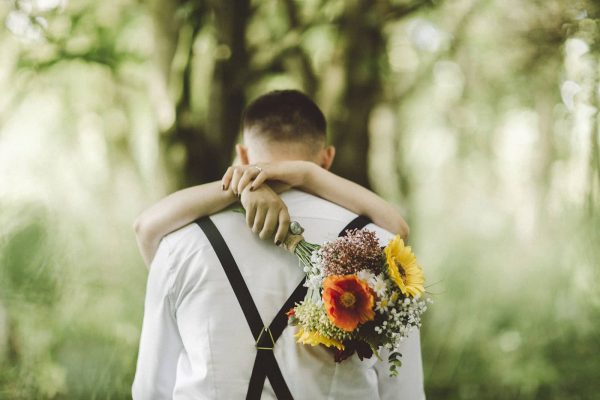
{"x": 233, "y": 275}
{"x": 265, "y": 364}
{"x": 265, "y": 360}
{"x": 357, "y": 223}
{"x": 281, "y": 320}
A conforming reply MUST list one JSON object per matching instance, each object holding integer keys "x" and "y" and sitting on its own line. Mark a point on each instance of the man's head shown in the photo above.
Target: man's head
{"x": 284, "y": 125}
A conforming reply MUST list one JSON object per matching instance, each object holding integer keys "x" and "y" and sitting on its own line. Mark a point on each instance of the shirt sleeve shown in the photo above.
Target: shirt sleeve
{"x": 160, "y": 343}
{"x": 409, "y": 382}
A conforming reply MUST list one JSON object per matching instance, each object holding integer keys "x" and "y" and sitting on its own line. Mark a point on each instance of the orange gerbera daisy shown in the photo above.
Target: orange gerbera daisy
{"x": 348, "y": 301}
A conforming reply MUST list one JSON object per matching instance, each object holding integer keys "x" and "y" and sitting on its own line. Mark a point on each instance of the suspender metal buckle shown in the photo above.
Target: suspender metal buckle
{"x": 263, "y": 330}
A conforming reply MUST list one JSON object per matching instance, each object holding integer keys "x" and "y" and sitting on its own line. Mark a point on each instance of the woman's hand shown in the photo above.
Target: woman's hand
{"x": 266, "y": 213}
{"x": 239, "y": 177}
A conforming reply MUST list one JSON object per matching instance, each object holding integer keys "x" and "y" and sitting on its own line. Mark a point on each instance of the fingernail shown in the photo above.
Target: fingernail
{"x": 278, "y": 242}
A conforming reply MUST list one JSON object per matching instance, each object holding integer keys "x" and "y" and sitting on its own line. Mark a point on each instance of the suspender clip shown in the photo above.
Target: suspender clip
{"x": 263, "y": 330}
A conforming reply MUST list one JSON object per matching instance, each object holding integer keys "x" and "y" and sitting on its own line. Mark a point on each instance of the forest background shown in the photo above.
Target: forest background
{"x": 477, "y": 118}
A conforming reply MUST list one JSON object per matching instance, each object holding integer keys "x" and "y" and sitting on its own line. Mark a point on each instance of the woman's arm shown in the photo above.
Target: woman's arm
{"x": 266, "y": 214}
{"x": 311, "y": 178}
{"x": 354, "y": 197}
{"x": 177, "y": 210}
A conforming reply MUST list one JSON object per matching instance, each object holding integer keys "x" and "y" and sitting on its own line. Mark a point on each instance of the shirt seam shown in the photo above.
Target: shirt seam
{"x": 170, "y": 279}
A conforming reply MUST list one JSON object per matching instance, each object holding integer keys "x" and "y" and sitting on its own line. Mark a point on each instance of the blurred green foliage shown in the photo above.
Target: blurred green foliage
{"x": 482, "y": 123}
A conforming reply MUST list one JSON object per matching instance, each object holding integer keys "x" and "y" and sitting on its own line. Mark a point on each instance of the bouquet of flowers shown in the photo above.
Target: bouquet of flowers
{"x": 361, "y": 297}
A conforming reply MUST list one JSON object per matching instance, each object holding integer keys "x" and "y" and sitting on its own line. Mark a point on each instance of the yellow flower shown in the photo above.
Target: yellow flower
{"x": 403, "y": 268}
{"x": 315, "y": 338}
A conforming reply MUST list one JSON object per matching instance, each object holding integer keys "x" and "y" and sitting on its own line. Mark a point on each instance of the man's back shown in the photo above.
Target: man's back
{"x": 196, "y": 343}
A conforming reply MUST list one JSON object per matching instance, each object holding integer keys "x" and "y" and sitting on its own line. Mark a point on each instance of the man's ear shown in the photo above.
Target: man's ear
{"x": 242, "y": 154}
{"x": 327, "y": 156}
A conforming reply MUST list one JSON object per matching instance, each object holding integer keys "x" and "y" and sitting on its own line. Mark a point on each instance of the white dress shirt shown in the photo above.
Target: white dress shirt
{"x": 196, "y": 343}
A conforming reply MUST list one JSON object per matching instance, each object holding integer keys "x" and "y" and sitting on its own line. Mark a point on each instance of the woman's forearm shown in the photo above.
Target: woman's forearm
{"x": 177, "y": 210}
{"x": 355, "y": 198}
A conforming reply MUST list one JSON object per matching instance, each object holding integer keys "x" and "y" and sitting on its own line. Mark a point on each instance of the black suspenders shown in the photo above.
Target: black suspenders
{"x": 265, "y": 364}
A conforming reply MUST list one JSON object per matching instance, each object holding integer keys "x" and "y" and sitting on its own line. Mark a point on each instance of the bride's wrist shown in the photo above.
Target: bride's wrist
{"x": 278, "y": 186}
{"x": 309, "y": 171}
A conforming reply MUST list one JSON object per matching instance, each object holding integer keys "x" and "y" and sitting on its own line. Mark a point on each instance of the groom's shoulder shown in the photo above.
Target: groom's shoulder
{"x": 317, "y": 213}
{"x": 188, "y": 237}
{"x": 302, "y": 204}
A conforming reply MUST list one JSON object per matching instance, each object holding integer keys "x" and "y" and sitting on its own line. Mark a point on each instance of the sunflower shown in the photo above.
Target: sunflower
{"x": 403, "y": 269}
{"x": 315, "y": 338}
{"x": 348, "y": 301}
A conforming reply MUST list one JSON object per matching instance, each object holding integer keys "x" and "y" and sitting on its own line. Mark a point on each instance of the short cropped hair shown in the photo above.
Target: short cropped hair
{"x": 287, "y": 116}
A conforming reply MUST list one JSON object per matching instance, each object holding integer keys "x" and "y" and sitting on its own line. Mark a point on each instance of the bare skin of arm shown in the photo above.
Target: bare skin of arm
{"x": 312, "y": 178}
{"x": 175, "y": 211}
{"x": 266, "y": 214}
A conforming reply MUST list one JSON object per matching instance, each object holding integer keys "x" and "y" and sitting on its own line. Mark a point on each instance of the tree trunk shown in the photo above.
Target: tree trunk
{"x": 208, "y": 144}
{"x": 227, "y": 92}
{"x": 363, "y": 51}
